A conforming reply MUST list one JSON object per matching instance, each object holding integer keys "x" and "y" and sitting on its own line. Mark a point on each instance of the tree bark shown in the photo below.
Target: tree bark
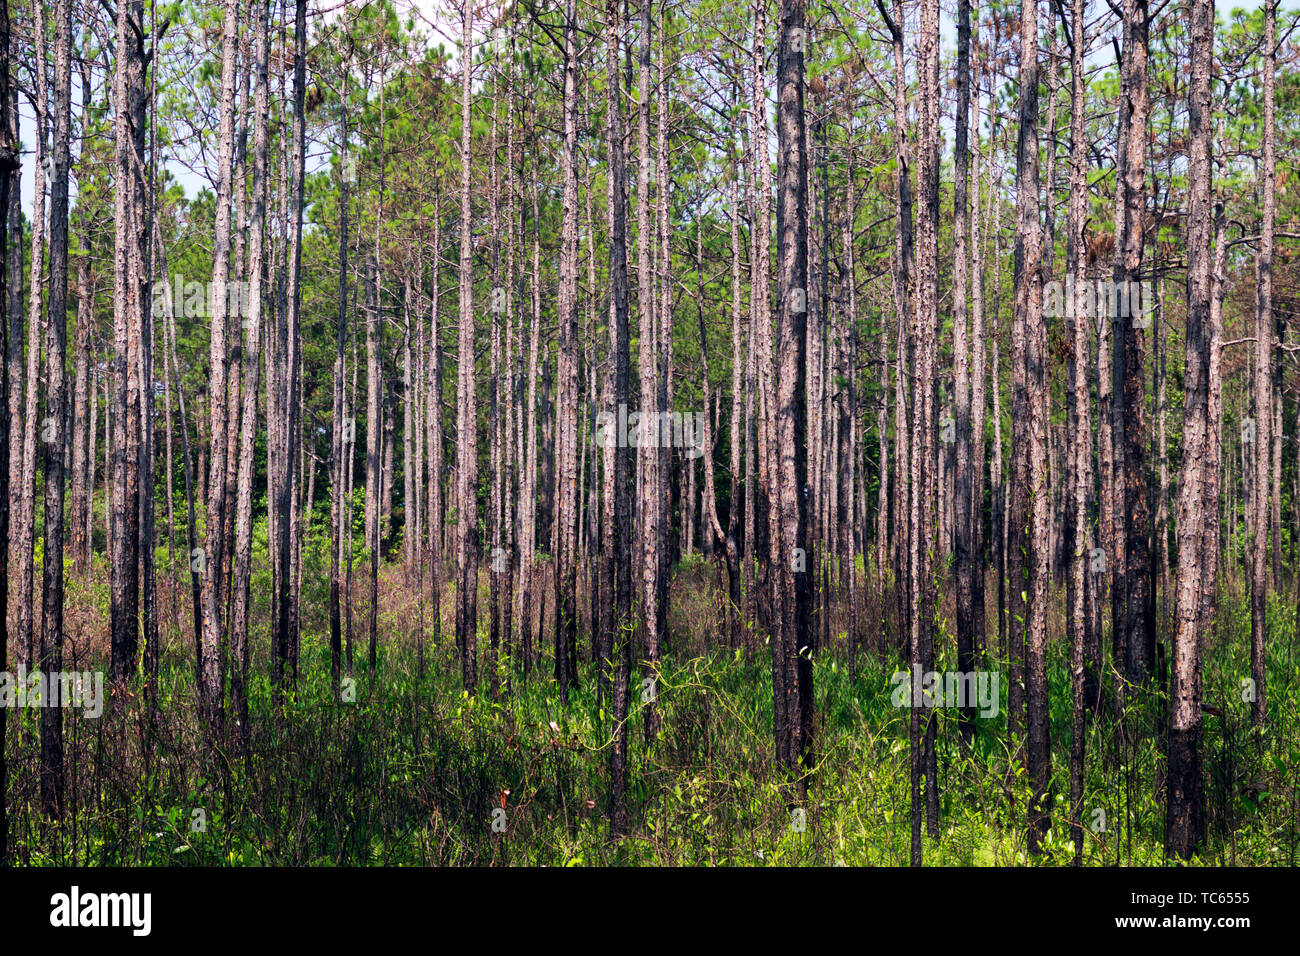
{"x": 567, "y": 474}
{"x": 8, "y": 169}
{"x": 794, "y": 498}
{"x": 1185, "y": 821}
{"x": 961, "y": 353}
{"x": 129, "y": 94}
{"x": 1031, "y": 457}
{"x": 25, "y": 525}
{"x": 1264, "y": 353}
{"x": 1134, "y": 597}
{"x": 211, "y": 650}
{"x": 618, "y": 554}
{"x": 54, "y": 432}
{"x": 252, "y": 321}
{"x": 1080, "y": 416}
{"x": 466, "y": 398}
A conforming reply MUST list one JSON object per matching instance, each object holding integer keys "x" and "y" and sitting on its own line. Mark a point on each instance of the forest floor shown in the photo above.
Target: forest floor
{"x": 414, "y": 771}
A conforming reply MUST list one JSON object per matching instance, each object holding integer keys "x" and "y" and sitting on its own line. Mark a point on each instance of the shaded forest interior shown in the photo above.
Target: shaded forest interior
{"x": 659, "y": 431}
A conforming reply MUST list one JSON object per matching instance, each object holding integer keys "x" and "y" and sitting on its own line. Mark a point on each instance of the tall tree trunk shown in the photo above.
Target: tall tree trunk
{"x": 1032, "y": 455}
{"x": 925, "y": 324}
{"x": 252, "y": 321}
{"x": 83, "y": 438}
{"x": 1080, "y": 414}
{"x": 528, "y": 496}
{"x": 735, "y": 623}
{"x": 567, "y": 474}
{"x": 791, "y": 419}
{"x": 8, "y": 167}
{"x": 618, "y": 545}
{"x": 961, "y": 354}
{"x": 211, "y": 650}
{"x": 54, "y": 432}
{"x": 907, "y": 485}
{"x": 1133, "y": 568}
{"x": 466, "y": 398}
{"x": 978, "y": 392}
{"x": 124, "y": 550}
{"x": 374, "y": 443}
{"x": 663, "y": 341}
{"x": 13, "y": 303}
{"x": 1264, "y": 352}
{"x": 342, "y": 426}
{"x": 26, "y": 518}
{"x": 648, "y": 457}
{"x": 512, "y": 448}
{"x": 286, "y": 613}
{"x": 997, "y": 476}
{"x": 1185, "y": 820}
{"x": 433, "y": 416}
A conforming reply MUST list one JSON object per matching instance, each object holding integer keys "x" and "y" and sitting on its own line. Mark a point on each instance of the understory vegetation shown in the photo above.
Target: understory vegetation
{"x": 412, "y": 771}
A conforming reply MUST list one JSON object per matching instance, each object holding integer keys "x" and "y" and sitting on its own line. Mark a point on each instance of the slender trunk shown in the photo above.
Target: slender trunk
{"x": 466, "y": 399}
{"x": 794, "y": 498}
{"x": 978, "y": 392}
{"x": 618, "y": 545}
{"x": 1185, "y": 819}
{"x": 1264, "y": 352}
{"x": 128, "y": 274}
{"x": 567, "y": 474}
{"x": 25, "y": 525}
{"x": 284, "y": 632}
{"x": 1137, "y": 620}
{"x": 648, "y": 457}
{"x": 961, "y": 353}
{"x": 342, "y": 426}
{"x": 8, "y": 168}
{"x": 252, "y": 321}
{"x": 82, "y": 435}
{"x": 925, "y": 322}
{"x": 1032, "y": 455}
{"x": 211, "y": 656}
{"x": 53, "y": 429}
{"x": 1080, "y": 417}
